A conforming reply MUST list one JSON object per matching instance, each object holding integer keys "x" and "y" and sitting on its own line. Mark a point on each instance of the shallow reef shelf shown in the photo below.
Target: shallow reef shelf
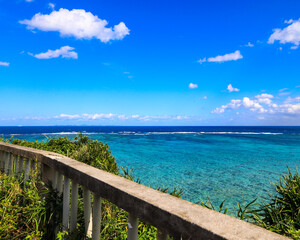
{"x": 170, "y": 215}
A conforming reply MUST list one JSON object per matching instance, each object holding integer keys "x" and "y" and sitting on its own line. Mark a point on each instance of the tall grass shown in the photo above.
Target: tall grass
{"x": 22, "y": 211}
{"x": 96, "y": 154}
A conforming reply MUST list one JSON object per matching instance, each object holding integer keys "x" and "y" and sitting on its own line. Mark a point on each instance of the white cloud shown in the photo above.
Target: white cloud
{"x": 230, "y": 88}
{"x": 64, "y": 52}
{"x": 283, "y": 89}
{"x": 104, "y": 117}
{"x": 5, "y": 64}
{"x": 234, "y": 104}
{"x": 264, "y": 98}
{"x": 249, "y": 44}
{"x": 193, "y": 86}
{"x": 294, "y": 47}
{"x": 263, "y": 104}
{"x": 290, "y": 108}
{"x": 77, "y": 23}
{"x": 112, "y": 116}
{"x": 223, "y": 58}
{"x": 264, "y": 95}
{"x": 284, "y": 93}
{"x": 295, "y": 99}
{"x": 29, "y": 0}
{"x": 253, "y": 105}
{"x": 51, "y": 6}
{"x": 290, "y": 34}
{"x": 68, "y": 116}
{"x": 205, "y": 97}
{"x": 288, "y": 21}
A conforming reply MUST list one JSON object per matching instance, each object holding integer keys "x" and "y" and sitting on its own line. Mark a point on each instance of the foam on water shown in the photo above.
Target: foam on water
{"x": 149, "y": 133}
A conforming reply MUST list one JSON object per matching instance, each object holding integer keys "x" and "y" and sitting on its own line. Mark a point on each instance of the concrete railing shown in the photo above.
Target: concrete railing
{"x": 172, "y": 216}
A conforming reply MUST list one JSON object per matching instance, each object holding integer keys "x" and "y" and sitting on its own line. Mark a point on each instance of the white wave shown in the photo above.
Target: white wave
{"x": 242, "y": 133}
{"x": 149, "y": 133}
{"x": 70, "y": 133}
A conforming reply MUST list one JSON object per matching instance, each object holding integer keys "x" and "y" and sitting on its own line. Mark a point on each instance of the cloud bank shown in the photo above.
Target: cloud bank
{"x": 263, "y": 103}
{"x": 77, "y": 23}
{"x": 103, "y": 118}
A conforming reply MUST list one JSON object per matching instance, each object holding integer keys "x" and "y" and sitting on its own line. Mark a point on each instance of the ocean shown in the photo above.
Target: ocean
{"x": 236, "y": 164}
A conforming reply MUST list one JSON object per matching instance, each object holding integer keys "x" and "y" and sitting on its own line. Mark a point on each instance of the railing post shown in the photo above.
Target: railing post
{"x": 20, "y": 165}
{"x": 96, "y": 217}
{"x": 161, "y": 235}
{"x": 6, "y": 163}
{"x": 55, "y": 176}
{"x": 27, "y": 169}
{"x": 87, "y": 211}
{"x": 47, "y": 173}
{"x": 16, "y": 160}
{"x": 133, "y": 224}
{"x": 2, "y": 161}
{"x": 74, "y": 206}
{"x": 59, "y": 184}
{"x": 10, "y": 163}
{"x": 33, "y": 165}
{"x": 66, "y": 203}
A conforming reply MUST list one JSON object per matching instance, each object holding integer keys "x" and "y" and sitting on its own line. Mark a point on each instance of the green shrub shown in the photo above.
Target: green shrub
{"x": 96, "y": 154}
{"x": 281, "y": 213}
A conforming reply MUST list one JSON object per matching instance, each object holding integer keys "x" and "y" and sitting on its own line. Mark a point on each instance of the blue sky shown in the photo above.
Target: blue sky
{"x": 149, "y": 62}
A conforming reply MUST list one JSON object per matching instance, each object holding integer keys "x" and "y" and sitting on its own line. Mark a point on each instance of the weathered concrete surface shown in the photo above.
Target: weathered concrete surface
{"x": 179, "y": 218}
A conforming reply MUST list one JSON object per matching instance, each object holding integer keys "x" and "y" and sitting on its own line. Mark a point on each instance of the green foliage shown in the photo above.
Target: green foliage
{"x": 96, "y": 154}
{"x": 81, "y": 148}
{"x": 22, "y": 211}
{"x": 281, "y": 213}
{"x": 208, "y": 204}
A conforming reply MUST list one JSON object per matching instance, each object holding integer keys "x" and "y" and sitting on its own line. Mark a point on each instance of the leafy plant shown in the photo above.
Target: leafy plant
{"x": 281, "y": 213}
{"x": 22, "y": 211}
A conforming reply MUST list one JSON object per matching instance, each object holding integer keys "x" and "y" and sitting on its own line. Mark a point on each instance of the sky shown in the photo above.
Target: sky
{"x": 193, "y": 63}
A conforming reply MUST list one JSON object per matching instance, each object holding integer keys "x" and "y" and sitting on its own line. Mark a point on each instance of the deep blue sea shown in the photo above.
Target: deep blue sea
{"x": 220, "y": 163}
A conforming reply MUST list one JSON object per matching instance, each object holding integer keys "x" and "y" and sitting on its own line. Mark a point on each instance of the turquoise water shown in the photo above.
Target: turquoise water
{"x": 222, "y": 165}
{"x": 215, "y": 166}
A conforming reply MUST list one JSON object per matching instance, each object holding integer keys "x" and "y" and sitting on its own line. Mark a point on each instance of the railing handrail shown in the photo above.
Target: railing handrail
{"x": 177, "y": 217}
